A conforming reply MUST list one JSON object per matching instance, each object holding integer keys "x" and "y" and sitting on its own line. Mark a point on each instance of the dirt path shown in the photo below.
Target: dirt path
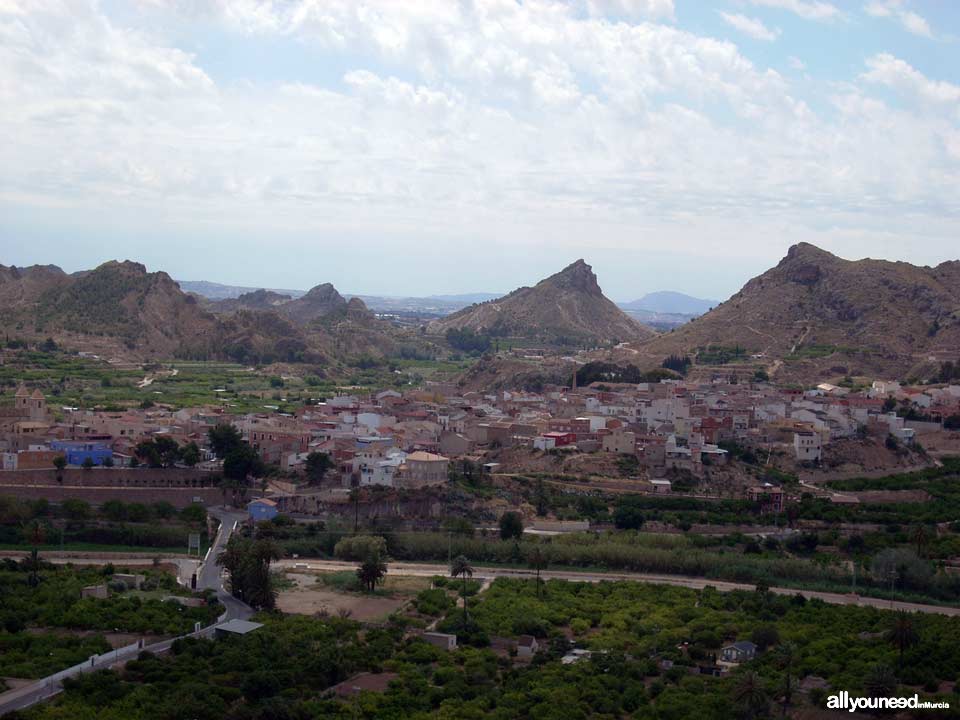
{"x": 696, "y": 583}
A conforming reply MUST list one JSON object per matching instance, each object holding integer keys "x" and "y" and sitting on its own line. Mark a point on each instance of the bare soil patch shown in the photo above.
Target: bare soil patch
{"x": 311, "y": 596}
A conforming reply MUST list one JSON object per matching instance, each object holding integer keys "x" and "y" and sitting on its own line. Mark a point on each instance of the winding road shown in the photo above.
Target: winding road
{"x": 209, "y": 577}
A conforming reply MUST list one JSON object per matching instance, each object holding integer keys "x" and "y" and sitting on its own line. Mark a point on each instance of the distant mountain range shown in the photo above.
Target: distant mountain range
{"x": 121, "y": 309}
{"x": 667, "y": 301}
{"x": 814, "y": 315}
{"x": 661, "y": 309}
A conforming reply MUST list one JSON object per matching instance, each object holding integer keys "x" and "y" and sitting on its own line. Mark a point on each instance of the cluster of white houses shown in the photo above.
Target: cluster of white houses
{"x": 406, "y": 440}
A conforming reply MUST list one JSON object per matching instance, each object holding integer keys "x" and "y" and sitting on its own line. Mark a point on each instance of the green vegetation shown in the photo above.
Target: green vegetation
{"x": 720, "y": 355}
{"x": 115, "y": 525}
{"x": 610, "y": 372}
{"x": 647, "y": 642}
{"x": 46, "y": 599}
{"x": 73, "y": 381}
{"x": 468, "y": 341}
{"x": 29, "y": 655}
{"x": 247, "y": 564}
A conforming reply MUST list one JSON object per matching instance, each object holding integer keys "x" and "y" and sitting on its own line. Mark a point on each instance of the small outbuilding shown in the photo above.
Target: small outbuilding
{"x": 235, "y": 627}
{"x": 262, "y": 509}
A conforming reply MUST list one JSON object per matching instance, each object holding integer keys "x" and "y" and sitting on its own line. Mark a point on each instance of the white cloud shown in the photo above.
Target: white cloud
{"x": 893, "y": 72}
{"x": 634, "y": 9}
{"x": 750, "y": 26}
{"x": 807, "y": 9}
{"x": 796, "y": 63}
{"x": 465, "y": 120}
{"x": 896, "y": 9}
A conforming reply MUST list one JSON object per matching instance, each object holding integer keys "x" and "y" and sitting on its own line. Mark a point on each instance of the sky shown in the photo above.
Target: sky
{"x": 417, "y": 147}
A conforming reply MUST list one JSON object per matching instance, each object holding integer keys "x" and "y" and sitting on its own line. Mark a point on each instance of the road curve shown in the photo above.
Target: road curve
{"x": 209, "y": 577}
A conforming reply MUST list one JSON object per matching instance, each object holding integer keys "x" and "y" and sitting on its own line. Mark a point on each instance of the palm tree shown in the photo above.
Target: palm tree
{"x": 903, "y": 634}
{"x": 786, "y": 655}
{"x": 36, "y": 533}
{"x": 461, "y": 568}
{"x": 371, "y": 572}
{"x": 920, "y": 538}
{"x": 538, "y": 559}
{"x": 880, "y": 681}
{"x": 750, "y": 694}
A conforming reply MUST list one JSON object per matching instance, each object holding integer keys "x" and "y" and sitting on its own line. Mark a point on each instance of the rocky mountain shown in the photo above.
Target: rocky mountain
{"x": 565, "y": 309}
{"x": 816, "y": 315}
{"x": 121, "y": 309}
{"x": 319, "y": 301}
{"x": 119, "y": 302}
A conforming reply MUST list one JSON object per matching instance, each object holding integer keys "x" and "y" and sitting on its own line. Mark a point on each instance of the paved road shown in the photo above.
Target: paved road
{"x": 208, "y": 577}
{"x": 429, "y": 570}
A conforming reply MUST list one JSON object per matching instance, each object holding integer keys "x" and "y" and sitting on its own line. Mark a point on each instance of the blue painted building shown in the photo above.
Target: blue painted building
{"x": 262, "y": 509}
{"x": 76, "y": 452}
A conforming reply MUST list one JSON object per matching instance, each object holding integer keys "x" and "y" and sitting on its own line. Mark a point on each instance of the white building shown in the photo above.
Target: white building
{"x": 807, "y": 446}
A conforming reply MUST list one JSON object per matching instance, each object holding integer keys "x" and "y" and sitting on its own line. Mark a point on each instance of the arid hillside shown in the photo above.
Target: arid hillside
{"x": 565, "y": 309}
{"x": 818, "y": 315}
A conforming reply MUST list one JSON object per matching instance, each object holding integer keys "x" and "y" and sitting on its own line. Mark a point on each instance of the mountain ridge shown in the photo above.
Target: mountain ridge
{"x": 565, "y": 308}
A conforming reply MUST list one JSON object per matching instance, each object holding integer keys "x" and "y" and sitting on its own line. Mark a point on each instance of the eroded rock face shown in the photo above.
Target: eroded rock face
{"x": 805, "y": 274}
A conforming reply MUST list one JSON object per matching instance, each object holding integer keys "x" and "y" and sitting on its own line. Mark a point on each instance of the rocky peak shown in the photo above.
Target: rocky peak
{"x": 324, "y": 293}
{"x": 578, "y": 277}
{"x": 804, "y": 263}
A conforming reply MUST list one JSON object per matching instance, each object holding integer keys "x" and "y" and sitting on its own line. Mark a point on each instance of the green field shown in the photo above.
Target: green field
{"x": 72, "y": 381}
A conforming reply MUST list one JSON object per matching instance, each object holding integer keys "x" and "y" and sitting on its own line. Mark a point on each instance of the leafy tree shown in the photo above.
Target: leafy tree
{"x": 628, "y": 514}
{"x": 461, "y": 568}
{"x": 224, "y": 438}
{"x": 76, "y": 510}
{"x": 360, "y": 547}
{"x": 901, "y": 566}
{"x": 247, "y": 563}
{"x": 190, "y": 454}
{"x": 511, "y": 526}
{"x": 241, "y": 463}
{"x": 372, "y": 571}
{"x": 60, "y": 462}
{"x": 677, "y": 363}
{"x": 114, "y": 510}
{"x": 164, "y": 510}
{"x": 317, "y": 465}
{"x": 467, "y": 340}
{"x": 158, "y": 452}
{"x": 765, "y": 636}
{"x": 88, "y": 463}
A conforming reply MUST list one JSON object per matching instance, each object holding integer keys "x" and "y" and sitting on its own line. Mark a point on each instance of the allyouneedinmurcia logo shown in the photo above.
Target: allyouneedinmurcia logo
{"x": 844, "y": 701}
